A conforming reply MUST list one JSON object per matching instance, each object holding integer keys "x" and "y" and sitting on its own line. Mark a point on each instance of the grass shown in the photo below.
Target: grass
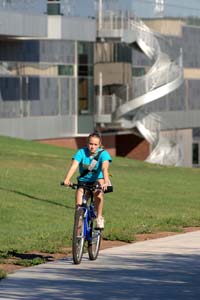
{"x": 37, "y": 213}
{"x": 2, "y": 274}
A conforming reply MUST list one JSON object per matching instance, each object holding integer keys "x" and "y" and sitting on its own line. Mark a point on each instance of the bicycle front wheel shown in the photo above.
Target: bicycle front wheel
{"x": 94, "y": 242}
{"x": 78, "y": 236}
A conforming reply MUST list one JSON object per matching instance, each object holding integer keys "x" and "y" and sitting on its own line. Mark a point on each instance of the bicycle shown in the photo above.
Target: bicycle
{"x": 84, "y": 225}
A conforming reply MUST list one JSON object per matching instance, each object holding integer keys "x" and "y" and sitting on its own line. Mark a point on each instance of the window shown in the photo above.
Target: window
{"x": 83, "y": 95}
{"x": 195, "y": 154}
{"x": 53, "y": 8}
{"x": 65, "y": 70}
{"x": 138, "y": 71}
{"x": 85, "y": 78}
{"x": 196, "y": 132}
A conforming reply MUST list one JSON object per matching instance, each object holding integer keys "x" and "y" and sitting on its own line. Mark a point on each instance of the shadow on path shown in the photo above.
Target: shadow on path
{"x": 111, "y": 277}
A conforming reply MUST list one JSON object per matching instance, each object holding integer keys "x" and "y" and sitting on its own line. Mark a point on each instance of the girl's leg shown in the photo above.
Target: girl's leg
{"x": 79, "y": 194}
{"x": 98, "y": 202}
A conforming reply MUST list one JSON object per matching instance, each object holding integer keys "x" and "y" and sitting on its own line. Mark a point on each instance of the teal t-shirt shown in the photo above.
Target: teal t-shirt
{"x": 84, "y": 159}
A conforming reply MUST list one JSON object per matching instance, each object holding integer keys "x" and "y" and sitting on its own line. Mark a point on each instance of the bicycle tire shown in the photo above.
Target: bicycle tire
{"x": 94, "y": 243}
{"x": 78, "y": 236}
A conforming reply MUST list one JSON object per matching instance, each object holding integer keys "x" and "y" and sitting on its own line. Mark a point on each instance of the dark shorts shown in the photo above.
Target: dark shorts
{"x": 90, "y": 183}
{"x": 108, "y": 190}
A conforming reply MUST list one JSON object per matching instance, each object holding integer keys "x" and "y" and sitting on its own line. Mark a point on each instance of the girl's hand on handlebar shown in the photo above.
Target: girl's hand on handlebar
{"x": 104, "y": 186}
{"x": 67, "y": 183}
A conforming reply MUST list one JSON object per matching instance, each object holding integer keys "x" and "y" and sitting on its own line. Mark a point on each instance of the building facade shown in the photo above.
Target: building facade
{"x": 62, "y": 76}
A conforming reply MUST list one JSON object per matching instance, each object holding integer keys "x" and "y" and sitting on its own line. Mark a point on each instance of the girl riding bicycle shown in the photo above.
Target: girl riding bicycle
{"x": 93, "y": 163}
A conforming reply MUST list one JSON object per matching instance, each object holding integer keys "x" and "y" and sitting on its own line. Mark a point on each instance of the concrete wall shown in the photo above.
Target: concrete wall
{"x": 166, "y": 26}
{"x": 113, "y": 73}
{"x": 178, "y": 119}
{"x": 19, "y": 24}
{"x": 184, "y": 139}
{"x": 71, "y": 28}
{"x": 31, "y": 128}
{"x": 22, "y": 25}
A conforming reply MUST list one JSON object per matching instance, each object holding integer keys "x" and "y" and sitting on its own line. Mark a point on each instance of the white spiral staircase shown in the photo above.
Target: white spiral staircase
{"x": 164, "y": 76}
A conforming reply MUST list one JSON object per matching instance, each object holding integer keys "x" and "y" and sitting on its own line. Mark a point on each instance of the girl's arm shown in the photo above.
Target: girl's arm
{"x": 71, "y": 171}
{"x": 105, "y": 167}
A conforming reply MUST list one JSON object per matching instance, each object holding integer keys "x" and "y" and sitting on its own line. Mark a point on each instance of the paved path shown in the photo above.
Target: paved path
{"x": 166, "y": 268}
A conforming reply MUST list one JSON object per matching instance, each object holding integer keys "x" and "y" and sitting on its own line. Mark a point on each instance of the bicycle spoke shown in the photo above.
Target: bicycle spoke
{"x": 94, "y": 243}
{"x": 78, "y": 236}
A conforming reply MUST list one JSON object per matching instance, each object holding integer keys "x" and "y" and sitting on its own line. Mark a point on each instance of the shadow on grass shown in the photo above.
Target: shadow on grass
{"x": 36, "y": 198}
{"x": 29, "y": 256}
{"x": 25, "y": 259}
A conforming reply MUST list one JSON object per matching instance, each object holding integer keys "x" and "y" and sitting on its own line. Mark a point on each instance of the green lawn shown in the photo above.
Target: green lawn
{"x": 36, "y": 213}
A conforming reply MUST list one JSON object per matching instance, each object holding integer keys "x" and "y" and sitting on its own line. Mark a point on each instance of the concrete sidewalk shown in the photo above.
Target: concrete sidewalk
{"x": 166, "y": 268}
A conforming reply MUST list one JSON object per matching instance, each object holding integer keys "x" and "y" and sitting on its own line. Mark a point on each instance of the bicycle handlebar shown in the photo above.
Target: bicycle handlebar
{"x": 84, "y": 186}
{"x": 72, "y": 186}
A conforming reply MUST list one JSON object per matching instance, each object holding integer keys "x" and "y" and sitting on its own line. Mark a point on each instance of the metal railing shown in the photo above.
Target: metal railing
{"x": 106, "y": 104}
{"x": 144, "y": 84}
{"x": 163, "y": 71}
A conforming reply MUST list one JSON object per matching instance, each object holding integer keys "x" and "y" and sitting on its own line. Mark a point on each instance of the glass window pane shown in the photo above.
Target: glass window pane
{"x": 65, "y": 70}
{"x": 53, "y": 8}
{"x": 195, "y": 154}
{"x": 196, "y": 132}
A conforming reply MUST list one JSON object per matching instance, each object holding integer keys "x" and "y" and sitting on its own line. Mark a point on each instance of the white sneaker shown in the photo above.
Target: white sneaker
{"x": 100, "y": 223}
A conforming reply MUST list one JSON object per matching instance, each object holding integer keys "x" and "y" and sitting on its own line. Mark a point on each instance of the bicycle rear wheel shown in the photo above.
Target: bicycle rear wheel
{"x": 94, "y": 242}
{"x": 78, "y": 236}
